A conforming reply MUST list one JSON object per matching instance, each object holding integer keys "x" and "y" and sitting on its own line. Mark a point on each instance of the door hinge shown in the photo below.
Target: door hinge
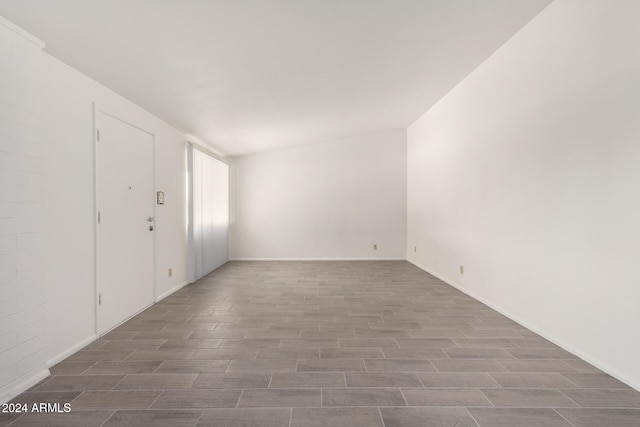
{"x": 99, "y": 299}
{"x": 98, "y": 131}
{"x": 98, "y": 217}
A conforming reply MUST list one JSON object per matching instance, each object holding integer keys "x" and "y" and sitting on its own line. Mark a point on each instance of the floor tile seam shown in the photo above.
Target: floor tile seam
{"x": 12, "y": 422}
{"x": 355, "y": 407}
{"x": 538, "y": 387}
{"x": 543, "y": 407}
{"x": 612, "y": 389}
{"x": 158, "y": 367}
{"x": 400, "y": 407}
{"x": 472, "y": 417}
{"x": 486, "y": 397}
{"x": 578, "y": 386}
{"x": 403, "y": 397}
{"x": 578, "y": 408}
{"x": 122, "y": 390}
{"x": 101, "y": 425}
{"x": 77, "y": 397}
{"x": 271, "y": 378}
{"x": 339, "y": 388}
{"x": 381, "y": 417}
{"x": 456, "y": 387}
{"x": 81, "y": 373}
{"x": 569, "y": 397}
{"x": 611, "y": 408}
{"x": 563, "y": 417}
{"x": 156, "y": 399}
{"x": 200, "y": 417}
{"x": 440, "y": 406}
{"x": 108, "y": 418}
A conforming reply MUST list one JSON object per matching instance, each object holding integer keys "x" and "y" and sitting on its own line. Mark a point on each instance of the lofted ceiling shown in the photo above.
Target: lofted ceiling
{"x": 248, "y": 76}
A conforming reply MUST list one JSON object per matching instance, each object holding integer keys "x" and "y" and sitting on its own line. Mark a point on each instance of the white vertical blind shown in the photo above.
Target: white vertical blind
{"x": 208, "y": 213}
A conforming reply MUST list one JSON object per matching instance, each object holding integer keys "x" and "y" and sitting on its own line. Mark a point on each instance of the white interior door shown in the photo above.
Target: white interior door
{"x": 125, "y": 236}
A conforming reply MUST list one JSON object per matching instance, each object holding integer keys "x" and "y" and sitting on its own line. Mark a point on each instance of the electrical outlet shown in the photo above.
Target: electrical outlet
{"x": 462, "y": 269}
{"x": 375, "y": 246}
{"x": 170, "y": 272}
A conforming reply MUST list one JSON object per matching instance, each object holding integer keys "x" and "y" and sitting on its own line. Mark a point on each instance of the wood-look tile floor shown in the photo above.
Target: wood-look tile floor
{"x": 326, "y": 344}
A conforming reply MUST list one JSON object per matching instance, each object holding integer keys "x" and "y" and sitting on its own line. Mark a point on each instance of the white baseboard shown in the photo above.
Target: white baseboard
{"x": 13, "y": 389}
{"x": 317, "y": 259}
{"x": 71, "y": 350}
{"x": 171, "y": 291}
{"x": 557, "y": 341}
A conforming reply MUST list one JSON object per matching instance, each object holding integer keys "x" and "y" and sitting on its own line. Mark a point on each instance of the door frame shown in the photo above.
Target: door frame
{"x": 96, "y": 175}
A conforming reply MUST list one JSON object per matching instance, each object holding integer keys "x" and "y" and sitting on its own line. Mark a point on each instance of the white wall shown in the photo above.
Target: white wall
{"x": 329, "y": 200}
{"x": 22, "y": 230}
{"x": 71, "y": 214}
{"x": 528, "y": 174}
{"x": 47, "y": 213}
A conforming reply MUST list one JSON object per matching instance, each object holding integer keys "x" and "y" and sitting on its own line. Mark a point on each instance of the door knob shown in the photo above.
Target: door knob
{"x": 151, "y": 219}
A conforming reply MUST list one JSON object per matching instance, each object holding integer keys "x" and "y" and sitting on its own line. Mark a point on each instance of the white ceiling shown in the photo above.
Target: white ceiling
{"x": 255, "y": 75}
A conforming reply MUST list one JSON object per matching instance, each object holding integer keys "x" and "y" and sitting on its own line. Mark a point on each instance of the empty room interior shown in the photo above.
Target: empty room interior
{"x": 314, "y": 213}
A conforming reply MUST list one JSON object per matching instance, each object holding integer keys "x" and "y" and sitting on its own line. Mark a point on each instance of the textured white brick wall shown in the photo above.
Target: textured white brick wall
{"x": 22, "y": 208}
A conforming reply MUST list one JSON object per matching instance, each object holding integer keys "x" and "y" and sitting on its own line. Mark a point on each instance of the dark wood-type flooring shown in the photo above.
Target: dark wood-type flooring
{"x": 360, "y": 343}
